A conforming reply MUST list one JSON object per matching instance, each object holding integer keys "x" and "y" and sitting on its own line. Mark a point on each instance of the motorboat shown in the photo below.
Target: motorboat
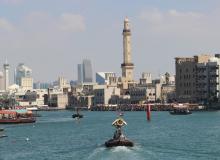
{"x": 180, "y": 109}
{"x": 77, "y": 114}
{"x": 119, "y": 138}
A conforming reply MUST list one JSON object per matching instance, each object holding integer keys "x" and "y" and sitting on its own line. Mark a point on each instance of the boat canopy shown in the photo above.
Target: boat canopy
{"x": 32, "y": 109}
{"x": 119, "y": 122}
{"x": 23, "y": 111}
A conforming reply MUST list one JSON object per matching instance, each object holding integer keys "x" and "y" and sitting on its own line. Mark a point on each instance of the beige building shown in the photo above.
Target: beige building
{"x": 103, "y": 94}
{"x": 27, "y": 83}
{"x": 186, "y": 72}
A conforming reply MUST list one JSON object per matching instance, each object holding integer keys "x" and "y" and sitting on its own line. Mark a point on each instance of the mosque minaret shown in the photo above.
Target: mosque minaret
{"x": 127, "y": 66}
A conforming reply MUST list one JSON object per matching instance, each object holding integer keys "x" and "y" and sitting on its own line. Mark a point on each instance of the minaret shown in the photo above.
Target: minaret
{"x": 127, "y": 66}
{"x": 6, "y": 75}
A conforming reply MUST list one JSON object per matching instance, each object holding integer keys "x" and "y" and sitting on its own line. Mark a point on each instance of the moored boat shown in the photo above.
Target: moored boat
{"x": 16, "y": 116}
{"x": 180, "y": 109}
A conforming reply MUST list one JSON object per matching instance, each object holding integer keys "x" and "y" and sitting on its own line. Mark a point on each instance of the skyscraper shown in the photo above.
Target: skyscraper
{"x": 6, "y": 75}
{"x": 23, "y": 76}
{"x": 80, "y": 73}
{"x": 1, "y": 81}
{"x": 87, "y": 70}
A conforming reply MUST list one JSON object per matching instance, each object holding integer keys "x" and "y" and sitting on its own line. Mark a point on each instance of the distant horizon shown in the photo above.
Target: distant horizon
{"x": 52, "y": 37}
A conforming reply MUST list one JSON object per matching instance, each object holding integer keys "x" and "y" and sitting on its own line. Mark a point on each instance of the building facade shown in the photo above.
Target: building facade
{"x": 197, "y": 78}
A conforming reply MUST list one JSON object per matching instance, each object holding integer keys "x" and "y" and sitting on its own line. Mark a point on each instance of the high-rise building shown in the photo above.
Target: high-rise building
{"x": 80, "y": 73}
{"x": 87, "y": 71}
{"x": 2, "y": 81}
{"x": 104, "y": 77}
{"x": 6, "y": 75}
{"x": 23, "y": 76}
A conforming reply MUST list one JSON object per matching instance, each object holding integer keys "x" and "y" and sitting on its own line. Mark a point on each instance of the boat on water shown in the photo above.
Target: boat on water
{"x": 34, "y": 111}
{"x": 119, "y": 138}
{"x": 77, "y": 114}
{"x": 16, "y": 116}
{"x": 180, "y": 109}
{"x": 1, "y": 129}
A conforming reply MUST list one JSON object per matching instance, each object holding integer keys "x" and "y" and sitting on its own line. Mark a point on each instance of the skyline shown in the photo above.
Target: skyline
{"x": 52, "y": 37}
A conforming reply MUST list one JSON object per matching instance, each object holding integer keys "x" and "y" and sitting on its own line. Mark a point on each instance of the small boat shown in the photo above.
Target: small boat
{"x": 35, "y": 111}
{"x": 119, "y": 139}
{"x": 1, "y": 129}
{"x": 77, "y": 114}
{"x": 16, "y": 116}
{"x": 180, "y": 109}
{"x": 2, "y": 136}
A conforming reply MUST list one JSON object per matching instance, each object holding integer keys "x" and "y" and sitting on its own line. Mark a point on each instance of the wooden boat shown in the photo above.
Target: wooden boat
{"x": 119, "y": 139}
{"x": 16, "y": 116}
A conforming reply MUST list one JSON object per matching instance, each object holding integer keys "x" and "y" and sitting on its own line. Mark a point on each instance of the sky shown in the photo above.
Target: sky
{"x": 53, "y": 36}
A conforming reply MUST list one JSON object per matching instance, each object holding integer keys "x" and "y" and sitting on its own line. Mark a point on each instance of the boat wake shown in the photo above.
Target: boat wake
{"x": 115, "y": 153}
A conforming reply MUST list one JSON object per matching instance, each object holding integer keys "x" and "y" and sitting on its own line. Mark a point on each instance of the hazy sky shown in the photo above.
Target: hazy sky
{"x": 53, "y": 36}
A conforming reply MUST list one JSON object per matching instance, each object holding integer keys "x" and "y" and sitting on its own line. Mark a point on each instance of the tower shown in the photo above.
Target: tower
{"x": 127, "y": 66}
{"x": 87, "y": 71}
{"x": 6, "y": 75}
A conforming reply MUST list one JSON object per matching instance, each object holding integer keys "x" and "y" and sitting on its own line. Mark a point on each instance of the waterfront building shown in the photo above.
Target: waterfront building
{"x": 192, "y": 76}
{"x": 104, "y": 93}
{"x": 56, "y": 97}
{"x": 105, "y": 77}
{"x": 207, "y": 80}
{"x": 6, "y": 75}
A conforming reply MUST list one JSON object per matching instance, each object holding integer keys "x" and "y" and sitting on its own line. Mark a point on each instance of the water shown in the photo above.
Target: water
{"x": 56, "y": 136}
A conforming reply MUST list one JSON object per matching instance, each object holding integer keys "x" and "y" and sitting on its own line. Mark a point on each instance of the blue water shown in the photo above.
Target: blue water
{"x": 56, "y": 136}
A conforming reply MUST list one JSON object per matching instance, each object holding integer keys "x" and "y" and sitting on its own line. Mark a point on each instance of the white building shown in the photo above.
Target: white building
{"x": 104, "y": 77}
{"x": 103, "y": 94}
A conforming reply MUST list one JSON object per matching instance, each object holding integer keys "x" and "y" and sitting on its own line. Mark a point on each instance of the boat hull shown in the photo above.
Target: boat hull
{"x": 77, "y": 116}
{"x": 16, "y": 121}
{"x": 118, "y": 142}
{"x": 180, "y": 113}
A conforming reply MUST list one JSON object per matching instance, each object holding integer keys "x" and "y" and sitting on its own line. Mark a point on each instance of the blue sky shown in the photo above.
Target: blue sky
{"x": 53, "y": 36}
